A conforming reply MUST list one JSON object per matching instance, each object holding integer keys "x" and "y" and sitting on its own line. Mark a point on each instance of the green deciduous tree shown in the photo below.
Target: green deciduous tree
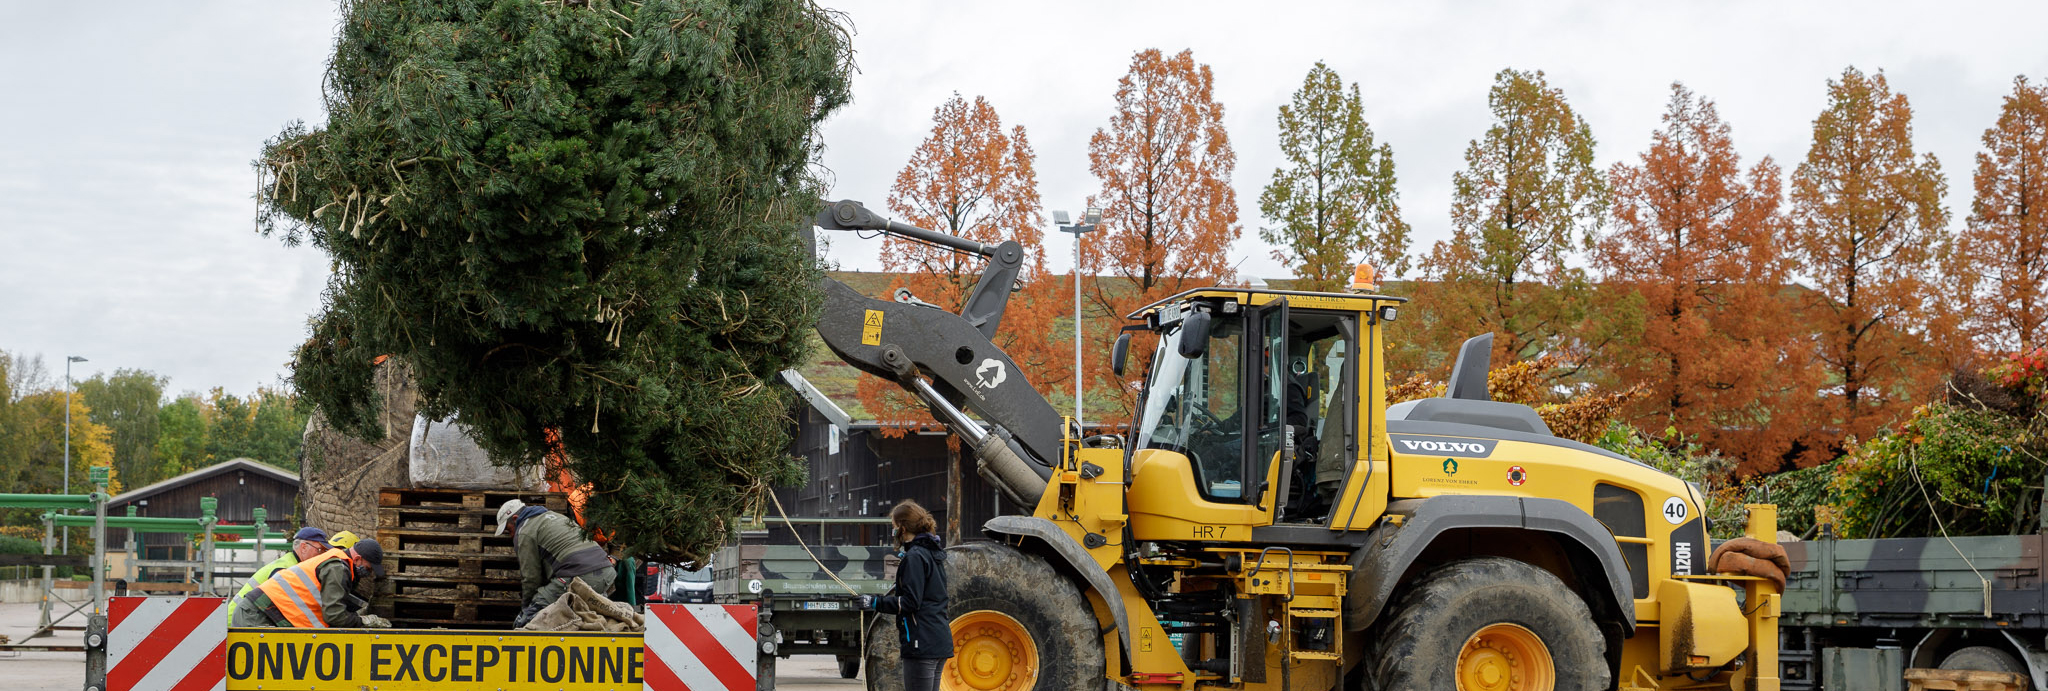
{"x": 266, "y": 426}
{"x": 181, "y": 436}
{"x": 1334, "y": 201}
{"x": 32, "y": 430}
{"x": 578, "y": 221}
{"x": 1528, "y": 198}
{"x": 41, "y": 434}
{"x": 126, "y": 403}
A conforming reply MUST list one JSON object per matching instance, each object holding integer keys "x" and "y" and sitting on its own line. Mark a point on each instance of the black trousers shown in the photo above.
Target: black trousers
{"x": 922, "y": 674}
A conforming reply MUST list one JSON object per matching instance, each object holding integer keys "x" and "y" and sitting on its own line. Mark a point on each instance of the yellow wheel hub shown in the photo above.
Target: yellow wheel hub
{"x": 991, "y": 652}
{"x": 1505, "y": 657}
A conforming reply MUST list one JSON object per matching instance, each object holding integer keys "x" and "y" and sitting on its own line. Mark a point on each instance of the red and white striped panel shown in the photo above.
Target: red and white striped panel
{"x": 700, "y": 648}
{"x": 167, "y": 643}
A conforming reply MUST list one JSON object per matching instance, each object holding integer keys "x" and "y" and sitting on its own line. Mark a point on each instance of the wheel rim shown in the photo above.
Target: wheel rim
{"x": 991, "y": 652}
{"x": 1505, "y": 657}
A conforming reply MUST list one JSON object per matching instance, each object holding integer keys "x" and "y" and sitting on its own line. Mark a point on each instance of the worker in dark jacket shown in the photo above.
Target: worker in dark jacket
{"x": 919, "y": 598}
{"x": 552, "y": 551}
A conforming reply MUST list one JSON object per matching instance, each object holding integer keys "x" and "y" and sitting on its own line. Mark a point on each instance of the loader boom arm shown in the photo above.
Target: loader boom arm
{"x": 947, "y": 360}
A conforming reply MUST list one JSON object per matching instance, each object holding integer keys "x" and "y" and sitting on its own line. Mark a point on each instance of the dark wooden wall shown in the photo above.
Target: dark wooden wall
{"x": 869, "y": 475}
{"x": 239, "y": 492}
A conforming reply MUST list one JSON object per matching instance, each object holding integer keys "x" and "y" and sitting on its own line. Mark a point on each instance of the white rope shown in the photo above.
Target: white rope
{"x": 1914, "y": 469}
{"x": 863, "y": 635}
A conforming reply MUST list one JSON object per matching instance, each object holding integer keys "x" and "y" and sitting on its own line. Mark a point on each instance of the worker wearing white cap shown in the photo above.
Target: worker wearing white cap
{"x": 552, "y": 551}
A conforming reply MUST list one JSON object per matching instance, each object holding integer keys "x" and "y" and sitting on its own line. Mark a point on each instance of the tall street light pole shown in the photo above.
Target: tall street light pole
{"x": 1090, "y": 220}
{"x": 67, "y": 439}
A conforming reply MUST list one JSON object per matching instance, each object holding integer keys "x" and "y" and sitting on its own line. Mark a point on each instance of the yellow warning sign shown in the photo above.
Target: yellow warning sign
{"x": 871, "y": 329}
{"x": 432, "y": 661}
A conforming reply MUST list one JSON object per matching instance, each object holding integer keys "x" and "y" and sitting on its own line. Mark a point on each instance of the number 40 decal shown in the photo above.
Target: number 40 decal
{"x": 1675, "y": 511}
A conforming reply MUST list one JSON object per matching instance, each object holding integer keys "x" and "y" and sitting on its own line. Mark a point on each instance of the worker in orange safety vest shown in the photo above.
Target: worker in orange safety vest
{"x": 315, "y": 593}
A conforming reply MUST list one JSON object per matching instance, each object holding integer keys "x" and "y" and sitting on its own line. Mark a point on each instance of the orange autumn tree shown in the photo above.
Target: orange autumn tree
{"x": 1699, "y": 239}
{"x": 974, "y": 179}
{"x": 2002, "y": 257}
{"x": 1168, "y": 211}
{"x": 1867, "y": 228}
{"x": 1528, "y": 198}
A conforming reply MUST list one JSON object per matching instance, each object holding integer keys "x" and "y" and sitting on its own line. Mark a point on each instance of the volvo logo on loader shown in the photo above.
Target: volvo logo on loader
{"x": 1464, "y": 448}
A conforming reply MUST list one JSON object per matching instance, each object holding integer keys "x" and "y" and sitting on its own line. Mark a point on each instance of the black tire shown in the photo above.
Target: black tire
{"x": 1983, "y": 658}
{"x": 849, "y": 667}
{"x": 1417, "y": 640}
{"x": 989, "y": 576}
{"x": 884, "y": 654}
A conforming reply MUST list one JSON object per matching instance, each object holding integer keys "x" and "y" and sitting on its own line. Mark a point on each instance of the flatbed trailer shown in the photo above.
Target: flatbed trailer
{"x": 1859, "y": 614}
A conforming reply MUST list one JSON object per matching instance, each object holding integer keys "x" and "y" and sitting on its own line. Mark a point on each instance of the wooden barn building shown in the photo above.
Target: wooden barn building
{"x": 240, "y": 486}
{"x": 858, "y": 469}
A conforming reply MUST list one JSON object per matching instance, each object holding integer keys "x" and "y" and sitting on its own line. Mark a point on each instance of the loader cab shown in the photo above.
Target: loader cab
{"x": 1251, "y": 412}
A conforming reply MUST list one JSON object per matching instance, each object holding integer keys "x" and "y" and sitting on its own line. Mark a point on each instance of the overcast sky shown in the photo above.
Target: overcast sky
{"x": 126, "y": 231}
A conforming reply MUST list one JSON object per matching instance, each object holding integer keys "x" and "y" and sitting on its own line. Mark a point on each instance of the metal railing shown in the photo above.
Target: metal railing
{"x": 204, "y": 570}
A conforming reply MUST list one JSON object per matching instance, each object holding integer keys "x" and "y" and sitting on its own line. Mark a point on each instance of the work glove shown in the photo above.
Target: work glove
{"x": 866, "y": 603}
{"x": 526, "y": 615}
{"x": 372, "y": 621}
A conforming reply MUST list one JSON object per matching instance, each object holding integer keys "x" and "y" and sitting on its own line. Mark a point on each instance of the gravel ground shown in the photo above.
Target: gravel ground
{"x": 814, "y": 673}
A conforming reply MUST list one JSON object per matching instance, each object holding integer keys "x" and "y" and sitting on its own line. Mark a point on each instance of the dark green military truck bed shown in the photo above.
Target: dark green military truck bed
{"x": 1857, "y": 613}
{"x": 1917, "y": 582}
{"x": 811, "y": 613}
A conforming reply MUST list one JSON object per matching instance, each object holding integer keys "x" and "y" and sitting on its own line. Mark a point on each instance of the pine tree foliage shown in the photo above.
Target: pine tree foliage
{"x": 580, "y": 222}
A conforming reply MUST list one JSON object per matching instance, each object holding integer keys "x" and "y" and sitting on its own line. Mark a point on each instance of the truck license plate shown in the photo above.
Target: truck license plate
{"x": 821, "y": 605}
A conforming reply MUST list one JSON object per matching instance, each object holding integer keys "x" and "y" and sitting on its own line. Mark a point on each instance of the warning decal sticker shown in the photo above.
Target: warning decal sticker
{"x": 871, "y": 328}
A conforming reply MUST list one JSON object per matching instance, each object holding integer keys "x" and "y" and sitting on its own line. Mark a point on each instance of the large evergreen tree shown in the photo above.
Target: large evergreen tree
{"x": 582, "y": 224}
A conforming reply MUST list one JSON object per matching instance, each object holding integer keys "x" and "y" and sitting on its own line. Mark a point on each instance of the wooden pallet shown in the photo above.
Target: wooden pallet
{"x": 444, "y": 565}
{"x": 456, "y": 615}
{"x": 431, "y": 497}
{"x": 417, "y": 564}
{"x": 426, "y": 512}
{"x": 454, "y": 589}
{"x": 443, "y": 542}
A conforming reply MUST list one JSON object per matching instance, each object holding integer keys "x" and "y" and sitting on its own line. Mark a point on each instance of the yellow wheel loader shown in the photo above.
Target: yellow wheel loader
{"x": 1269, "y": 522}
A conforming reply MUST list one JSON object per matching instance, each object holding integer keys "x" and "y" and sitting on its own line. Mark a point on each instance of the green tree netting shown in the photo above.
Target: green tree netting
{"x": 582, "y": 223}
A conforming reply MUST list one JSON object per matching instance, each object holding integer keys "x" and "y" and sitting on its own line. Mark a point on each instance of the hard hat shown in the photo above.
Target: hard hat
{"x": 506, "y": 512}
{"x": 343, "y": 540}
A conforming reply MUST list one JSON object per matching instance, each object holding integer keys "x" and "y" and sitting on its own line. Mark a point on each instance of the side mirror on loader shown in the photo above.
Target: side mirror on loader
{"x": 1194, "y": 335}
{"x": 1119, "y": 353}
